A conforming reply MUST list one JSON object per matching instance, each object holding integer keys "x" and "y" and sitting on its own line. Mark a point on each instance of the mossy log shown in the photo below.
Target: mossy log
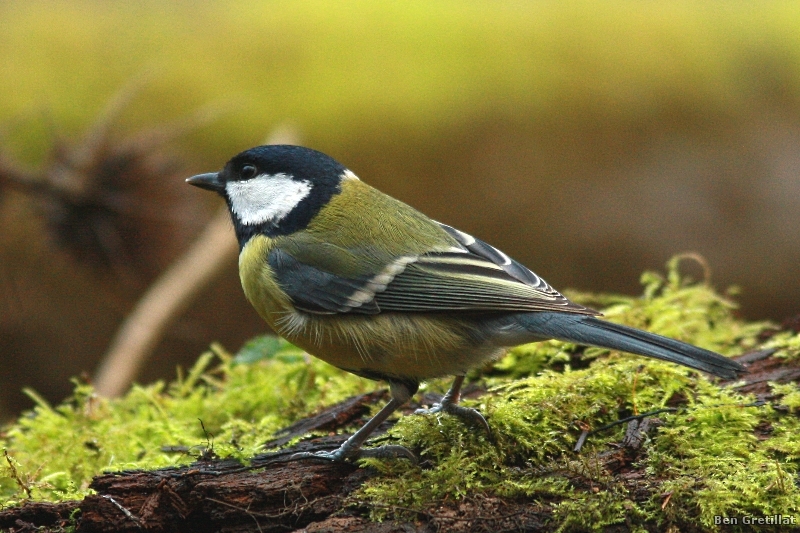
{"x": 274, "y": 493}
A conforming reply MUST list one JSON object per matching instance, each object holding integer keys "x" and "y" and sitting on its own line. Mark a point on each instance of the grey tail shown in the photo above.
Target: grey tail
{"x": 591, "y": 331}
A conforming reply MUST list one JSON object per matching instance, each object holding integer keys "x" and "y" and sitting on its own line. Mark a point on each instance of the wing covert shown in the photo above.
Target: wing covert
{"x": 475, "y": 278}
{"x": 315, "y": 290}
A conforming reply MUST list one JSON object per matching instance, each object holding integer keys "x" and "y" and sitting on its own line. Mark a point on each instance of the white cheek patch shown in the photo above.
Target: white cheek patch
{"x": 265, "y": 198}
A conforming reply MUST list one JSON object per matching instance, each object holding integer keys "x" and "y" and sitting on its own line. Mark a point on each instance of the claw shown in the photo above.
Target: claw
{"x": 334, "y": 456}
{"x": 449, "y": 405}
{"x": 351, "y": 449}
{"x": 468, "y": 415}
{"x": 389, "y": 451}
{"x": 341, "y": 455}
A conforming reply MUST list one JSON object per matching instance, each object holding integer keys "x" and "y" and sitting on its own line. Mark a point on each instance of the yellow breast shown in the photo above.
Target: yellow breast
{"x": 259, "y": 283}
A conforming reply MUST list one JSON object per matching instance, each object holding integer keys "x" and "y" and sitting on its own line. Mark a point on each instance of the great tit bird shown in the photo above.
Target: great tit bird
{"x": 376, "y": 288}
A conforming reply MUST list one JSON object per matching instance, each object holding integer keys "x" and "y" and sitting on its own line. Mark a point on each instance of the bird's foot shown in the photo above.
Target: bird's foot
{"x": 468, "y": 415}
{"x": 349, "y": 455}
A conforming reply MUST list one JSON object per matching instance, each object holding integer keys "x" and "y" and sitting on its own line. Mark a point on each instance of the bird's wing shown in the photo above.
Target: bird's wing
{"x": 469, "y": 277}
{"x": 474, "y": 277}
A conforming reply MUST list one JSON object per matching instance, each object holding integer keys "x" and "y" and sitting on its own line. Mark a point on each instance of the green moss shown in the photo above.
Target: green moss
{"x": 56, "y": 451}
{"x": 718, "y": 455}
{"x": 786, "y": 344}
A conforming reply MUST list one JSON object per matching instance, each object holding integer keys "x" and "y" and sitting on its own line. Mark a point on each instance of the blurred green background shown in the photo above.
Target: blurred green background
{"x": 590, "y": 140}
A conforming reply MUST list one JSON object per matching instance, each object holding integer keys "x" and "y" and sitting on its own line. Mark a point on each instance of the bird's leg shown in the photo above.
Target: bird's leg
{"x": 449, "y": 405}
{"x": 351, "y": 450}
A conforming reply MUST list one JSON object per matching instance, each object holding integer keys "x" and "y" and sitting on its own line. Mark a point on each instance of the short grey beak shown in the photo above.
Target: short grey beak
{"x": 208, "y": 181}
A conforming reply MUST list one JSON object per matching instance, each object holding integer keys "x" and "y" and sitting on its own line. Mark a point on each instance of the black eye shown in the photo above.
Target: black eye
{"x": 247, "y": 172}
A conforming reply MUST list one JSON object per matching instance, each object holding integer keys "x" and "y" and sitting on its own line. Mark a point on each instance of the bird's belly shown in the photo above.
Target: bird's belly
{"x": 386, "y": 346}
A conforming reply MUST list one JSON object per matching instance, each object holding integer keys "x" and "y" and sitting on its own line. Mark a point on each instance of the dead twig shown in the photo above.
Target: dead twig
{"x": 15, "y": 475}
{"x": 129, "y": 515}
{"x": 164, "y": 301}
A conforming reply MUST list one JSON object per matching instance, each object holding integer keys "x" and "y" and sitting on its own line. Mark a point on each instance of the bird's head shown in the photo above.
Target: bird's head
{"x": 275, "y": 189}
